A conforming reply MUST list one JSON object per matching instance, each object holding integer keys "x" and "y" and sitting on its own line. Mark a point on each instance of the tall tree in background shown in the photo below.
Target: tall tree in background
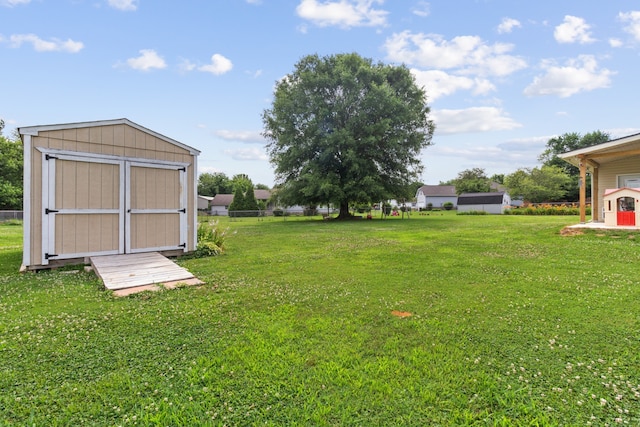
{"x": 11, "y": 175}
{"x": 244, "y": 198}
{"x": 210, "y": 184}
{"x": 343, "y": 129}
{"x": 569, "y": 142}
{"x": 545, "y": 184}
{"x": 473, "y": 180}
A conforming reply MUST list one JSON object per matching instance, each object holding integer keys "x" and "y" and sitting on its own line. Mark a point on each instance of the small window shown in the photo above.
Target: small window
{"x": 626, "y": 204}
{"x": 629, "y": 181}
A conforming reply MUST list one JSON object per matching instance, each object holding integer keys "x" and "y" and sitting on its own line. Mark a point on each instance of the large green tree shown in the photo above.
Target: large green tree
{"x": 343, "y": 129}
{"x": 210, "y": 184}
{"x": 569, "y": 142}
{"x": 11, "y": 167}
{"x": 473, "y": 180}
{"x": 544, "y": 184}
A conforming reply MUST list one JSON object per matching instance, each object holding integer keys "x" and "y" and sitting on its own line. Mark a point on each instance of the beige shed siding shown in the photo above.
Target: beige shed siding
{"x": 608, "y": 176}
{"x": 86, "y": 233}
{"x": 154, "y": 230}
{"x": 94, "y": 232}
{"x": 155, "y": 188}
{"x": 83, "y": 185}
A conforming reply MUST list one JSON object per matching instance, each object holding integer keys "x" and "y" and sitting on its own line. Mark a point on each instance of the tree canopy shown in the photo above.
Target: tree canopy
{"x": 210, "y": 184}
{"x": 244, "y": 198}
{"x": 569, "y": 142}
{"x": 344, "y": 130}
{"x": 538, "y": 185}
{"x": 11, "y": 167}
{"x": 473, "y": 180}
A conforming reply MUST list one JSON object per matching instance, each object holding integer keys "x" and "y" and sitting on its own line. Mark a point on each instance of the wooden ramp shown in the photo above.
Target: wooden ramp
{"x": 139, "y": 271}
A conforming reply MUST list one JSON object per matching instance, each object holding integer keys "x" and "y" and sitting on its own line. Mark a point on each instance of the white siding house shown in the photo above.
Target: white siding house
{"x": 437, "y": 195}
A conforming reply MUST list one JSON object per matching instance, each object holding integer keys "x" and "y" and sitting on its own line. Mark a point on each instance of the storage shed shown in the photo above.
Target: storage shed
{"x": 493, "y": 203}
{"x": 104, "y": 188}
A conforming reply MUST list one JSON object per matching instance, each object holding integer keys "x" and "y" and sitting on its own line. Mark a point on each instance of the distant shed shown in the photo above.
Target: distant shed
{"x": 104, "y": 188}
{"x": 493, "y": 203}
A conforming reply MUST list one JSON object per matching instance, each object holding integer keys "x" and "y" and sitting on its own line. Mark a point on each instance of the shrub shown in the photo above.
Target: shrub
{"x": 429, "y": 206}
{"x": 447, "y": 205}
{"x": 207, "y": 249}
{"x": 278, "y": 212}
{"x": 473, "y": 213}
{"x": 545, "y": 209}
{"x": 210, "y": 239}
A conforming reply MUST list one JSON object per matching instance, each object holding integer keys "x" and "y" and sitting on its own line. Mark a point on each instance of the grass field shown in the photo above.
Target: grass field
{"x": 511, "y": 324}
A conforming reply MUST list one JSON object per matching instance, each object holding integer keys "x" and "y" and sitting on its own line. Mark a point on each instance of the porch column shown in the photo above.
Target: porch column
{"x": 595, "y": 203}
{"x": 583, "y": 189}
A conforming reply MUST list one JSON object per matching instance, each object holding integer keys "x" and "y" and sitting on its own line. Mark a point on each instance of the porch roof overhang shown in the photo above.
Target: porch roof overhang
{"x": 604, "y": 153}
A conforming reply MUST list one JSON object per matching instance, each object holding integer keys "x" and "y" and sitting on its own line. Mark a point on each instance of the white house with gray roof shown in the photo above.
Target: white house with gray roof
{"x": 437, "y": 195}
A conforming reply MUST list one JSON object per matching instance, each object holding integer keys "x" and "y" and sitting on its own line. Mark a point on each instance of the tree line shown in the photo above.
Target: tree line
{"x": 554, "y": 181}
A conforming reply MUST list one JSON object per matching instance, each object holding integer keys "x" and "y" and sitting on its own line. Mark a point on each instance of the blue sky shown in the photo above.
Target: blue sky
{"x": 502, "y": 76}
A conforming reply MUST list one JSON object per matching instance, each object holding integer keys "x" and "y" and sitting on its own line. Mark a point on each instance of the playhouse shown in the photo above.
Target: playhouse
{"x": 105, "y": 188}
{"x": 621, "y": 206}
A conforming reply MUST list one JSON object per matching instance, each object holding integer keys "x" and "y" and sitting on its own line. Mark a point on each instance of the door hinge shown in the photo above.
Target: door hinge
{"x": 47, "y": 255}
{"x": 184, "y": 245}
{"x": 183, "y": 169}
{"x": 48, "y": 211}
{"x": 183, "y": 210}
{"x": 49, "y": 157}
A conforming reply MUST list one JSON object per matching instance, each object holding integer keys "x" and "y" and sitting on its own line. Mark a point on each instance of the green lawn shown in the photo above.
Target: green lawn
{"x": 512, "y": 324}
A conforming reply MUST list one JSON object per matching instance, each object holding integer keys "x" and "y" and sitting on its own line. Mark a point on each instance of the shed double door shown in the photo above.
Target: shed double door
{"x": 105, "y": 206}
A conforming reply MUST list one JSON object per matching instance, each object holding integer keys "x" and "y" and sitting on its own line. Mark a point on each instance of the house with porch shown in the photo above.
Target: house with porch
{"x": 614, "y": 170}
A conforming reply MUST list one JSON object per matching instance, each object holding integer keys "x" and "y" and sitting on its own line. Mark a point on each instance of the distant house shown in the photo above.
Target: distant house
{"x": 437, "y": 195}
{"x": 493, "y": 203}
{"x": 204, "y": 202}
{"x": 220, "y": 203}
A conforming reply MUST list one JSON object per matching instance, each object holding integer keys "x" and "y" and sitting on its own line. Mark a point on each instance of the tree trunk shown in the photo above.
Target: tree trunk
{"x": 344, "y": 210}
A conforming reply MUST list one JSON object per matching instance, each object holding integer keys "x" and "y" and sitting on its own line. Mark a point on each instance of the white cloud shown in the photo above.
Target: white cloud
{"x": 508, "y": 24}
{"x": 615, "y": 42}
{"x": 53, "y": 45}
{"x": 254, "y": 74}
{"x": 242, "y": 136}
{"x": 633, "y": 20}
{"x": 147, "y": 60}
{"x": 11, "y": 3}
{"x": 573, "y": 30}
{"x": 342, "y": 13}
{"x": 219, "y": 65}
{"x": 422, "y": 8}
{"x": 577, "y": 75}
{"x": 505, "y": 156}
{"x": 438, "y": 83}
{"x": 186, "y": 65}
{"x": 247, "y": 154}
{"x": 475, "y": 119}
{"x": 124, "y": 4}
{"x": 466, "y": 54}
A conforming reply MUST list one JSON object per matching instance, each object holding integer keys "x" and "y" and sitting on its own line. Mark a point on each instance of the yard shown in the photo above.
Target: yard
{"x": 441, "y": 319}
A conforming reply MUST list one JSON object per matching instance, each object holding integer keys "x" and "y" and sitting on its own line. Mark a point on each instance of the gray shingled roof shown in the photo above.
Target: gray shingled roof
{"x": 226, "y": 199}
{"x": 480, "y": 198}
{"x": 438, "y": 190}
